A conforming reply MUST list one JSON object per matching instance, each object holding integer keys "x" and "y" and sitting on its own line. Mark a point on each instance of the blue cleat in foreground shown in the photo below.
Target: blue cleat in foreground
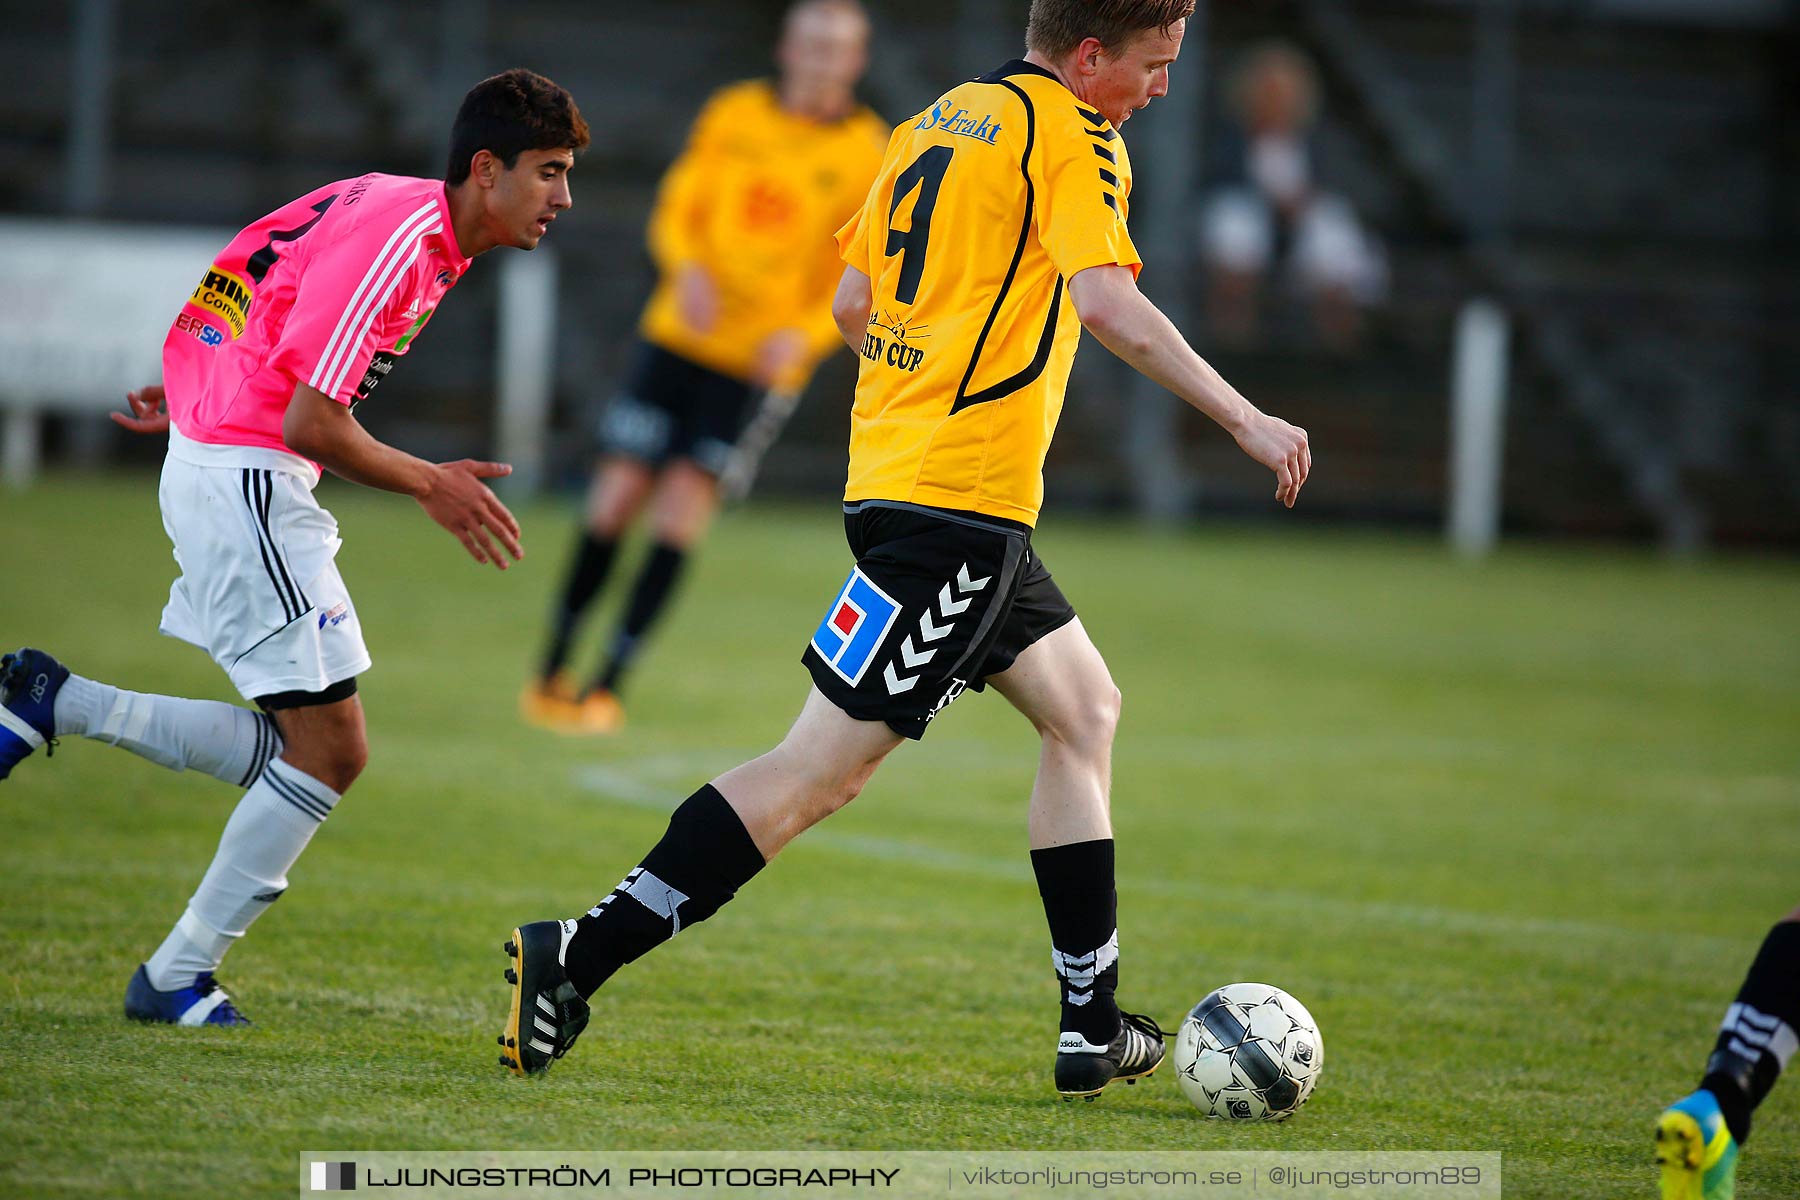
{"x": 1696, "y": 1151}
{"x": 205, "y": 1003}
{"x": 29, "y": 681}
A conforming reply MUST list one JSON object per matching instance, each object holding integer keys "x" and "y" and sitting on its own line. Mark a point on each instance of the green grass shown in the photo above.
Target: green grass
{"x": 1512, "y": 832}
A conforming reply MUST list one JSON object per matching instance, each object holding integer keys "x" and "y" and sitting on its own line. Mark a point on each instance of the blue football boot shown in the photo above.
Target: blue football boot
{"x": 29, "y": 681}
{"x": 1696, "y": 1151}
{"x": 204, "y": 1003}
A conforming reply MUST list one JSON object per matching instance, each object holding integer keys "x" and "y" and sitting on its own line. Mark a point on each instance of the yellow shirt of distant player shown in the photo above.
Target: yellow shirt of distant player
{"x": 753, "y": 199}
{"x": 986, "y": 205}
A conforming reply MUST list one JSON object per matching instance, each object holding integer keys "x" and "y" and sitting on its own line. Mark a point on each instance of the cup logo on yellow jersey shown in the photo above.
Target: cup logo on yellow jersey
{"x": 893, "y": 344}
{"x": 959, "y": 123}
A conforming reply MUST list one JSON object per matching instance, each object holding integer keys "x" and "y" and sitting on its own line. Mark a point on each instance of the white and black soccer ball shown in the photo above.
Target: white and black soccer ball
{"x": 1248, "y": 1052}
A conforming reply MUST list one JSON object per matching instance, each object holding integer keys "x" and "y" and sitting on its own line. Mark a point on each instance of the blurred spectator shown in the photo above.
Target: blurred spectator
{"x": 1269, "y": 212}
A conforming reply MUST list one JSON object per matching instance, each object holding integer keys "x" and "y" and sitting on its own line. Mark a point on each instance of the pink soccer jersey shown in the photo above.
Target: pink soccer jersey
{"x": 327, "y": 291}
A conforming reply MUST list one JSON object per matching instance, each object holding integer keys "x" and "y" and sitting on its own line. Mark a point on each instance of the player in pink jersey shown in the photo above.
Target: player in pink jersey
{"x": 363, "y": 263}
{"x": 290, "y": 327}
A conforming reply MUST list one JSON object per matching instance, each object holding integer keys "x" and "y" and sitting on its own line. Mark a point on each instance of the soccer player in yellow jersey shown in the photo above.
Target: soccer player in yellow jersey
{"x": 994, "y": 233}
{"x": 741, "y": 235}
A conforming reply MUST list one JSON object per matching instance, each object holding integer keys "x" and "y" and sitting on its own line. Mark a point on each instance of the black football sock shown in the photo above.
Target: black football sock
{"x": 649, "y": 596}
{"x": 588, "y": 570}
{"x": 1758, "y": 1035}
{"x": 699, "y": 864}
{"x": 1076, "y": 883}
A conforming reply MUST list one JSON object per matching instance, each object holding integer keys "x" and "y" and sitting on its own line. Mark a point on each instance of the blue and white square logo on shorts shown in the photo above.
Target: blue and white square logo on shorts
{"x": 854, "y": 627}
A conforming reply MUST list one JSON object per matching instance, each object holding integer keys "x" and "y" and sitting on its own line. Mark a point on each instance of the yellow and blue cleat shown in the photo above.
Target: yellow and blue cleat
{"x": 1696, "y": 1151}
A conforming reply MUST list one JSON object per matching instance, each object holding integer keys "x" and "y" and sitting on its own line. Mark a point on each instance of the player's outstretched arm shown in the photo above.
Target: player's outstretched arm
{"x": 1112, "y": 309}
{"x": 851, "y": 306}
{"x": 451, "y": 494}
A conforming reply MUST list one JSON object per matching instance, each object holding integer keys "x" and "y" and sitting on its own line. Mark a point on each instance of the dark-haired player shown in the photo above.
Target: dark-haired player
{"x": 292, "y": 325}
{"x": 741, "y": 234}
{"x": 994, "y": 232}
{"x": 1699, "y": 1136}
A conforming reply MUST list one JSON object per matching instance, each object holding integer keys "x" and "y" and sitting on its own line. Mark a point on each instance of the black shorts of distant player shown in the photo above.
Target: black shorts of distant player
{"x": 938, "y": 601}
{"x": 675, "y": 408}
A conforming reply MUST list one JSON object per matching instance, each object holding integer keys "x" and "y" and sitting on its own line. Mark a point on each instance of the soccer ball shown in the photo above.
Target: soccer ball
{"x": 1248, "y": 1052}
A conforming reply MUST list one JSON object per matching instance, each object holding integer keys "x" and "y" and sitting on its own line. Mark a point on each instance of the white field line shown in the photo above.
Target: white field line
{"x": 658, "y": 783}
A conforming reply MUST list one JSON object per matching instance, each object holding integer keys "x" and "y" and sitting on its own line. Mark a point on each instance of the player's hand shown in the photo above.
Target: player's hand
{"x": 777, "y": 357}
{"x": 148, "y": 412}
{"x": 1283, "y": 449}
{"x": 461, "y": 503}
{"x": 697, "y": 298}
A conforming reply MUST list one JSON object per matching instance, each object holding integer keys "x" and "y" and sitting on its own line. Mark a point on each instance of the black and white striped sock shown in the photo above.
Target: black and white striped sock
{"x": 699, "y": 864}
{"x": 1076, "y": 884}
{"x": 1758, "y": 1037}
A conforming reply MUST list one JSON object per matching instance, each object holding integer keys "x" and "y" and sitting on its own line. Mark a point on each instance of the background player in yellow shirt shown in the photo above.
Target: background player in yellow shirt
{"x": 995, "y": 231}
{"x": 741, "y": 235}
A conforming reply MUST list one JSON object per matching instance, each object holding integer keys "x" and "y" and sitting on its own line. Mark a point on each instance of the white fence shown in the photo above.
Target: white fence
{"x": 85, "y": 306}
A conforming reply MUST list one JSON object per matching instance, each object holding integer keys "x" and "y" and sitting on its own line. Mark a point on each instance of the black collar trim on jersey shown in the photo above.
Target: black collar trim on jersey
{"x": 1017, "y": 66}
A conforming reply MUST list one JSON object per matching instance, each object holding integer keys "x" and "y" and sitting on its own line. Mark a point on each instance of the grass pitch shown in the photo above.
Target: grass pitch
{"x": 1512, "y": 832}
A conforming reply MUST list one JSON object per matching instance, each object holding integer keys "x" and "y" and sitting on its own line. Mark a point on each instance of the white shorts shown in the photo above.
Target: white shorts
{"x": 259, "y": 587}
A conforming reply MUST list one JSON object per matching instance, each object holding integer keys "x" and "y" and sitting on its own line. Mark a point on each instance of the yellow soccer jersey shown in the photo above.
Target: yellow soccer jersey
{"x": 753, "y": 199}
{"x": 986, "y": 205}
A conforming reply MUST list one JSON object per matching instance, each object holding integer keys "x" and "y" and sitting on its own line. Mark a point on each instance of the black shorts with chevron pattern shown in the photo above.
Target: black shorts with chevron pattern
{"x": 938, "y": 601}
